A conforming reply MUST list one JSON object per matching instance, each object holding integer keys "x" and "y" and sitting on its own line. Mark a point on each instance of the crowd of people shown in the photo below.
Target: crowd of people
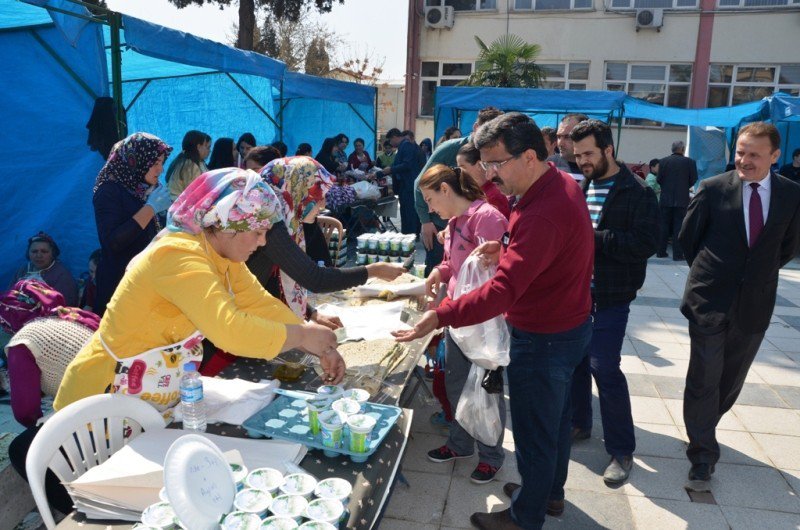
{"x": 223, "y": 256}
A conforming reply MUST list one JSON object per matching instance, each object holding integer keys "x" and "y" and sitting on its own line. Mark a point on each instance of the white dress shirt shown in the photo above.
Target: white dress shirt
{"x": 763, "y": 192}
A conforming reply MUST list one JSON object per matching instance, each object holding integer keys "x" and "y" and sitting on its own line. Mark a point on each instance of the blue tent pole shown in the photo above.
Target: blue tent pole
{"x": 115, "y": 21}
{"x": 280, "y": 115}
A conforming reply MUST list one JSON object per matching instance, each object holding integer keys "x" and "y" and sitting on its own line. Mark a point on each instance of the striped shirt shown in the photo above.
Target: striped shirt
{"x": 596, "y": 195}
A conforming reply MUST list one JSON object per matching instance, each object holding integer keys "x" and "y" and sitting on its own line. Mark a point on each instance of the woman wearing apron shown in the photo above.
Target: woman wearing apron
{"x": 188, "y": 284}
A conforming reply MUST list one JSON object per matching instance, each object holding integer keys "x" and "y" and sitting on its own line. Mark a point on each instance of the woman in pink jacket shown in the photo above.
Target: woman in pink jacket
{"x": 454, "y": 195}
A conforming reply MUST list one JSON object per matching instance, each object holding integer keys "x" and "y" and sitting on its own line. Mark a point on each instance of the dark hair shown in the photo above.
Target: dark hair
{"x": 517, "y": 131}
{"x": 449, "y": 132}
{"x": 190, "y": 142}
{"x": 341, "y": 137}
{"x": 427, "y": 142}
{"x": 601, "y": 132}
{"x": 550, "y": 133}
{"x": 459, "y": 181}
{"x": 303, "y": 149}
{"x": 763, "y": 130}
{"x": 653, "y": 162}
{"x": 578, "y": 117}
{"x": 325, "y": 157}
{"x": 263, "y": 154}
{"x": 409, "y": 133}
{"x": 471, "y": 153}
{"x": 42, "y": 237}
{"x": 796, "y": 152}
{"x": 387, "y": 143}
{"x": 487, "y": 114}
{"x": 394, "y": 131}
{"x": 282, "y": 148}
{"x": 246, "y": 137}
{"x": 222, "y": 154}
{"x": 95, "y": 256}
{"x": 357, "y": 140}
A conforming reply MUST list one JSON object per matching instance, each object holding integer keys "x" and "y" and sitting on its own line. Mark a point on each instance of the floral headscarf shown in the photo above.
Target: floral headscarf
{"x": 300, "y": 182}
{"x": 29, "y": 299}
{"x": 229, "y": 199}
{"x": 130, "y": 160}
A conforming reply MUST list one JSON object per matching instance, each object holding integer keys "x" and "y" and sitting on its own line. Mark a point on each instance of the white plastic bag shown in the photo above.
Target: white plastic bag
{"x": 366, "y": 190}
{"x": 478, "y": 411}
{"x": 485, "y": 344}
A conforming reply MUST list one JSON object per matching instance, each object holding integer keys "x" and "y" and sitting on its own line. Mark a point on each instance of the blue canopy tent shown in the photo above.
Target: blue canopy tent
{"x": 315, "y": 108}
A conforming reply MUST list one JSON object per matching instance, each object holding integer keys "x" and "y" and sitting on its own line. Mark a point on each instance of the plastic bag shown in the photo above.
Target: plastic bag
{"x": 485, "y": 344}
{"x": 478, "y": 412}
{"x": 366, "y": 190}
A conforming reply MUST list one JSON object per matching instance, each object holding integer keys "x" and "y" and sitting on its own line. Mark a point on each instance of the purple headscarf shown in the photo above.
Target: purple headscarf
{"x": 29, "y": 299}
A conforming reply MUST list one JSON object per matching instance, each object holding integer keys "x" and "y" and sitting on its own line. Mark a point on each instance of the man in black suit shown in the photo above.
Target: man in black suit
{"x": 741, "y": 228}
{"x": 676, "y": 174}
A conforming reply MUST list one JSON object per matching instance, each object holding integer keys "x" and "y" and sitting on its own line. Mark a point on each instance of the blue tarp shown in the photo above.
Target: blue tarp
{"x": 54, "y": 66}
{"x": 345, "y": 107}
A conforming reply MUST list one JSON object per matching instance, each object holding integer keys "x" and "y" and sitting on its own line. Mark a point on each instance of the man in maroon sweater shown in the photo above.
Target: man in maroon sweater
{"x": 542, "y": 287}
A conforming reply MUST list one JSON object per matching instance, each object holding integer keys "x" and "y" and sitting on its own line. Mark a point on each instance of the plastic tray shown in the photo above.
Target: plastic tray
{"x": 286, "y": 418}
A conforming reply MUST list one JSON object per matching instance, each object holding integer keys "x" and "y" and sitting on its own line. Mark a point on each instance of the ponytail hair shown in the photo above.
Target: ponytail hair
{"x": 459, "y": 181}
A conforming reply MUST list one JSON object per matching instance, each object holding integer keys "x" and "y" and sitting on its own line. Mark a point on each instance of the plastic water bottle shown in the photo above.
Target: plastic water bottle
{"x": 192, "y": 406}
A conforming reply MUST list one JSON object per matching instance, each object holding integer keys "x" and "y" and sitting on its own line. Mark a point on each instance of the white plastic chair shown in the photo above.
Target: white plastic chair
{"x": 81, "y": 436}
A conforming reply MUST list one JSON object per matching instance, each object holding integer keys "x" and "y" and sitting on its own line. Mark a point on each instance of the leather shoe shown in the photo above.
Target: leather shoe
{"x": 618, "y": 470}
{"x": 701, "y": 472}
{"x": 577, "y": 434}
{"x": 494, "y": 521}
{"x": 554, "y": 507}
{"x": 662, "y": 255}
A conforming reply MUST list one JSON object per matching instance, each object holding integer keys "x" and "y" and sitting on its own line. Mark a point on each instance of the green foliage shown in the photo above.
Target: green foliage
{"x": 508, "y": 61}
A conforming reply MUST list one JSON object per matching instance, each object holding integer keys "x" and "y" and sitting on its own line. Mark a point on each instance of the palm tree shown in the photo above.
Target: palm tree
{"x": 509, "y": 61}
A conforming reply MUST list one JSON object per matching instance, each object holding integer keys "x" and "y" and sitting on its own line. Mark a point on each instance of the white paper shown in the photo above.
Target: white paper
{"x": 233, "y": 400}
{"x": 368, "y": 322}
{"x": 400, "y": 289}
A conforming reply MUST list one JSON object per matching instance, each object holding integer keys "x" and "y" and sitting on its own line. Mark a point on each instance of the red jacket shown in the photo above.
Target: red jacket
{"x": 496, "y": 198}
{"x": 542, "y": 284}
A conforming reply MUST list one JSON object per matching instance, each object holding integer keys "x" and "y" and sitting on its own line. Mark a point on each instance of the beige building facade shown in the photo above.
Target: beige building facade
{"x": 692, "y": 54}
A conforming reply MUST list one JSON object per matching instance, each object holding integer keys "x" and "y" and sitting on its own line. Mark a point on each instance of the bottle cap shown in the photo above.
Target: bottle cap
{"x": 190, "y": 367}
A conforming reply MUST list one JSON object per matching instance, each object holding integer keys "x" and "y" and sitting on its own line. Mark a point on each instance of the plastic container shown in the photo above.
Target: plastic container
{"x": 358, "y": 394}
{"x": 159, "y": 515}
{"x": 315, "y": 406}
{"x": 372, "y": 244}
{"x": 192, "y": 406}
{"x": 241, "y": 521}
{"x": 334, "y": 488}
{"x": 291, "y": 506}
{"x": 278, "y": 523}
{"x": 239, "y": 475}
{"x": 346, "y": 407}
{"x": 332, "y": 392}
{"x": 265, "y": 478}
{"x": 251, "y": 500}
{"x": 361, "y": 242}
{"x": 361, "y": 427}
{"x": 325, "y": 510}
{"x": 361, "y": 258}
{"x": 332, "y": 430}
{"x": 419, "y": 270}
{"x": 301, "y": 484}
{"x": 317, "y": 525}
{"x": 372, "y": 258}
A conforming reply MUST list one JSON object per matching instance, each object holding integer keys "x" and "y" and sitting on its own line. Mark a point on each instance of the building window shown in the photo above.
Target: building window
{"x": 551, "y": 5}
{"x": 730, "y": 84}
{"x": 663, "y": 4}
{"x": 755, "y": 4}
{"x": 433, "y": 74}
{"x": 465, "y": 5}
{"x": 572, "y": 76}
{"x": 660, "y": 84}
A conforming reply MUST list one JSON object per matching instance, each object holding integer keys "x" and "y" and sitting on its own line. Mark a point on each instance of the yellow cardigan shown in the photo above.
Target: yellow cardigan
{"x": 179, "y": 285}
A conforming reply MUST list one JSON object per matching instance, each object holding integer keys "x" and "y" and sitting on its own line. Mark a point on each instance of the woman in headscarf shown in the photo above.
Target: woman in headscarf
{"x": 327, "y": 155}
{"x": 191, "y": 283}
{"x": 43, "y": 265}
{"x": 282, "y": 266}
{"x": 126, "y": 201}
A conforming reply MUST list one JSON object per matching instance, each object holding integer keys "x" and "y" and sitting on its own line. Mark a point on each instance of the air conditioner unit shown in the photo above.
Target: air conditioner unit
{"x": 650, "y": 18}
{"x": 438, "y": 17}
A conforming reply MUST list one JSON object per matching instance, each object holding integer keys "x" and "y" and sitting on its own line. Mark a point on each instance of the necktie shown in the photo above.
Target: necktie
{"x": 756, "y": 215}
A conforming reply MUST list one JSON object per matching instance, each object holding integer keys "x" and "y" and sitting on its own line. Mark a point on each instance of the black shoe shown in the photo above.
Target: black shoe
{"x": 579, "y": 434}
{"x": 678, "y": 258}
{"x": 555, "y": 508}
{"x": 444, "y": 454}
{"x": 662, "y": 255}
{"x": 701, "y": 472}
{"x": 483, "y": 474}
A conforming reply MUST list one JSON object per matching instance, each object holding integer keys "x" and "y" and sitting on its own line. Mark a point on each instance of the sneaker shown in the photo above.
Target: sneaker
{"x": 438, "y": 419}
{"x": 701, "y": 472}
{"x": 483, "y": 474}
{"x": 618, "y": 470}
{"x": 444, "y": 454}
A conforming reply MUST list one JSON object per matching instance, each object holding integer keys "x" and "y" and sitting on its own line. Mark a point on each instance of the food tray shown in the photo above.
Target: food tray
{"x": 286, "y": 418}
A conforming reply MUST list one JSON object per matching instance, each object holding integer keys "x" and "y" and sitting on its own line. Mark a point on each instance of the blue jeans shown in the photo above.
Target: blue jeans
{"x": 603, "y": 363}
{"x": 539, "y": 382}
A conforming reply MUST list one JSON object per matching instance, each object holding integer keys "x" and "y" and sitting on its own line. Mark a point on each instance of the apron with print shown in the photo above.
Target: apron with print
{"x": 155, "y": 375}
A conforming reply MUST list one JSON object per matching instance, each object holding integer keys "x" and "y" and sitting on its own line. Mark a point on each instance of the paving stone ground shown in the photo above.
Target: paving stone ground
{"x": 756, "y": 484}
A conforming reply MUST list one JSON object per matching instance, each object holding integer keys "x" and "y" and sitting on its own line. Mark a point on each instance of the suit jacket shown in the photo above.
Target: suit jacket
{"x": 725, "y": 271}
{"x": 676, "y": 174}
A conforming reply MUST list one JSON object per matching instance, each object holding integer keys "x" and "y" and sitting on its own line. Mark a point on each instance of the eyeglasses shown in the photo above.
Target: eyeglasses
{"x": 496, "y": 165}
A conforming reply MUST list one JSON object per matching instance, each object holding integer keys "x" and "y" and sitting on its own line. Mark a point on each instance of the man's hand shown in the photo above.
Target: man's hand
{"x": 317, "y": 339}
{"x": 432, "y": 283}
{"x": 426, "y": 324}
{"x": 385, "y": 271}
{"x": 330, "y": 322}
{"x": 489, "y": 253}
{"x": 333, "y": 367}
{"x": 428, "y": 233}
